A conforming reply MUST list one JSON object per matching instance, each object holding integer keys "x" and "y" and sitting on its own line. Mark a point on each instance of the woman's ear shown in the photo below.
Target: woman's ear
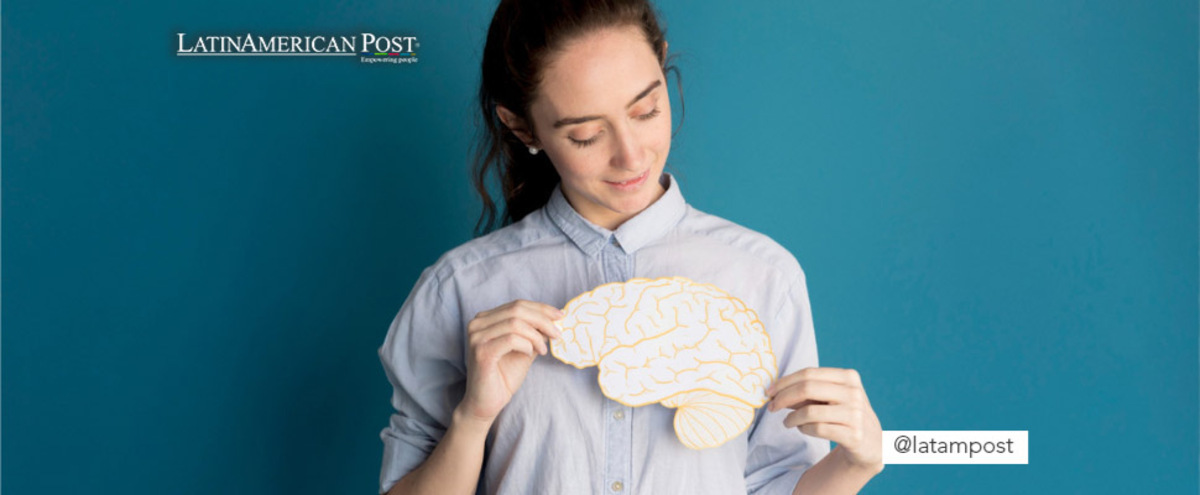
{"x": 516, "y": 125}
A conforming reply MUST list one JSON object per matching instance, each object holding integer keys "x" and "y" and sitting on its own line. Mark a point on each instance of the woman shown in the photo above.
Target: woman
{"x": 574, "y": 99}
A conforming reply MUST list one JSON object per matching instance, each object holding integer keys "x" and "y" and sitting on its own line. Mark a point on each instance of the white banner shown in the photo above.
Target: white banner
{"x": 955, "y": 447}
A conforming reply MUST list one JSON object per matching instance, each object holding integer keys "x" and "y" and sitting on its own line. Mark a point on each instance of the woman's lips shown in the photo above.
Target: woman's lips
{"x": 631, "y": 184}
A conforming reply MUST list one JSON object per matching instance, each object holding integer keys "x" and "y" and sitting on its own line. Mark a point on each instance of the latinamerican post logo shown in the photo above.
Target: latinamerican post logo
{"x": 368, "y": 47}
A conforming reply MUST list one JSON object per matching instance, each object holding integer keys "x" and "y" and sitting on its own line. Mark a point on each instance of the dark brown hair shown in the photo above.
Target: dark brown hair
{"x": 521, "y": 38}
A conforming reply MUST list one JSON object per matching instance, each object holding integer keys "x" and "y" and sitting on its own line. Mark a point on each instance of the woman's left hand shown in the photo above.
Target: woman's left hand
{"x": 830, "y": 403}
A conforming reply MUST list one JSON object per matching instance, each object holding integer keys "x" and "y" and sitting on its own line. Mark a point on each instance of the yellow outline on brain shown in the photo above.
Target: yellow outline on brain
{"x": 670, "y": 340}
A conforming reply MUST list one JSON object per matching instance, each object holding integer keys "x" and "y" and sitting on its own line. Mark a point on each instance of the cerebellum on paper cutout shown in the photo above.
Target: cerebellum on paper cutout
{"x": 672, "y": 341}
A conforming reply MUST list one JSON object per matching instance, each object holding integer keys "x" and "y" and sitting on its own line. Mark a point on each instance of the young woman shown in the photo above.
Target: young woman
{"x": 574, "y": 100}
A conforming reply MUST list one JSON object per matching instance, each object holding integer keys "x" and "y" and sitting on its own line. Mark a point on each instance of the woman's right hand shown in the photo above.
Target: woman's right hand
{"x": 503, "y": 342}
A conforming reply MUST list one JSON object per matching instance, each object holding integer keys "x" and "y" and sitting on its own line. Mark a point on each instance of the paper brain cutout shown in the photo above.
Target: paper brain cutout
{"x": 672, "y": 341}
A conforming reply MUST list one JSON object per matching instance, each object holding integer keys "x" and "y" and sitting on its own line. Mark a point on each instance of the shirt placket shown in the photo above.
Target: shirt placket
{"x": 618, "y": 418}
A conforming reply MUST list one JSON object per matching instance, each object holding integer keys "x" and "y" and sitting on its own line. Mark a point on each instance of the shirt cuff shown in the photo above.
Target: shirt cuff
{"x": 401, "y": 455}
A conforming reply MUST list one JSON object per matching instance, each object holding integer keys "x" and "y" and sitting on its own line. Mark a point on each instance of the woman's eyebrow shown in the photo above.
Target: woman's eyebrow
{"x": 576, "y": 120}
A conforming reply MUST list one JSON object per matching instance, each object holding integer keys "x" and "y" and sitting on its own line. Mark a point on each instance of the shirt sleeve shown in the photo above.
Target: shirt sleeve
{"x": 777, "y": 456}
{"x": 423, "y": 358}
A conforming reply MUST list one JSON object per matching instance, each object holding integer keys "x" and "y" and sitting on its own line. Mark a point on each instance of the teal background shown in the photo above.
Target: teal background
{"x": 995, "y": 204}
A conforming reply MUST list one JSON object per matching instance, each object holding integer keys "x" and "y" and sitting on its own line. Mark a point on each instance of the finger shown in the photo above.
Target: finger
{"x": 537, "y": 315}
{"x": 488, "y": 318}
{"x": 512, "y": 326}
{"x": 490, "y": 352}
{"x": 814, "y": 391}
{"x": 540, "y": 315}
{"x": 841, "y": 434}
{"x": 845, "y": 376}
{"x": 819, "y": 414}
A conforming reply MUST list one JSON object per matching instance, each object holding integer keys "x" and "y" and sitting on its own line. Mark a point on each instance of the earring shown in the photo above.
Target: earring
{"x": 532, "y": 150}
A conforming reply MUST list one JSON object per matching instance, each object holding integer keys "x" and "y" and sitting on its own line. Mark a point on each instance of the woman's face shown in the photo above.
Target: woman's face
{"x": 603, "y": 117}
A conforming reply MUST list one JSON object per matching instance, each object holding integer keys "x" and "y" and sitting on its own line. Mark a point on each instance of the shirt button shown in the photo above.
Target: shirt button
{"x": 617, "y": 486}
{"x": 619, "y": 415}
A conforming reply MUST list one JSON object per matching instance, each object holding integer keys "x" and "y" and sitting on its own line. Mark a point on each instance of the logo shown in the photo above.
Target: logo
{"x": 368, "y": 47}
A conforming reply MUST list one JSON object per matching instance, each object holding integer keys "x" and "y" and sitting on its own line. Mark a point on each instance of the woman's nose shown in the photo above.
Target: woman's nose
{"x": 628, "y": 152}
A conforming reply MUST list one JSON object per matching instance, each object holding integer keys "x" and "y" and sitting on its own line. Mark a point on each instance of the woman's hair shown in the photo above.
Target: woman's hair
{"x": 522, "y": 37}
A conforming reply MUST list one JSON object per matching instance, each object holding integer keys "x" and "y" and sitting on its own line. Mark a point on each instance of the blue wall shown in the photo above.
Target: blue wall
{"x": 995, "y": 203}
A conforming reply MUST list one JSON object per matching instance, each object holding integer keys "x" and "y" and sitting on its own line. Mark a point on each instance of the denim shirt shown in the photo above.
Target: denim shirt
{"x": 559, "y": 434}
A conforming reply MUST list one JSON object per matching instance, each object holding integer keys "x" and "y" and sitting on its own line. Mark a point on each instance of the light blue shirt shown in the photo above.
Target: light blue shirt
{"x": 559, "y": 434}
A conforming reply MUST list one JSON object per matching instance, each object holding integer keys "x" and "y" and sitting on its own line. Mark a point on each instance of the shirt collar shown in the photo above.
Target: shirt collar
{"x": 648, "y": 225}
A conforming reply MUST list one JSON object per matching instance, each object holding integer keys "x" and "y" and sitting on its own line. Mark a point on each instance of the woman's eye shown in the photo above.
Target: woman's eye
{"x": 585, "y": 142}
{"x": 652, "y": 114}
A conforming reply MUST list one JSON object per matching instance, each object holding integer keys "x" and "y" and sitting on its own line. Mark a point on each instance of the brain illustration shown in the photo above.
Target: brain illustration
{"x": 675, "y": 342}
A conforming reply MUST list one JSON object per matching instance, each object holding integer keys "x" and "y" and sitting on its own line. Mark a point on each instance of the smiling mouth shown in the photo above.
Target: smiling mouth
{"x": 632, "y": 180}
